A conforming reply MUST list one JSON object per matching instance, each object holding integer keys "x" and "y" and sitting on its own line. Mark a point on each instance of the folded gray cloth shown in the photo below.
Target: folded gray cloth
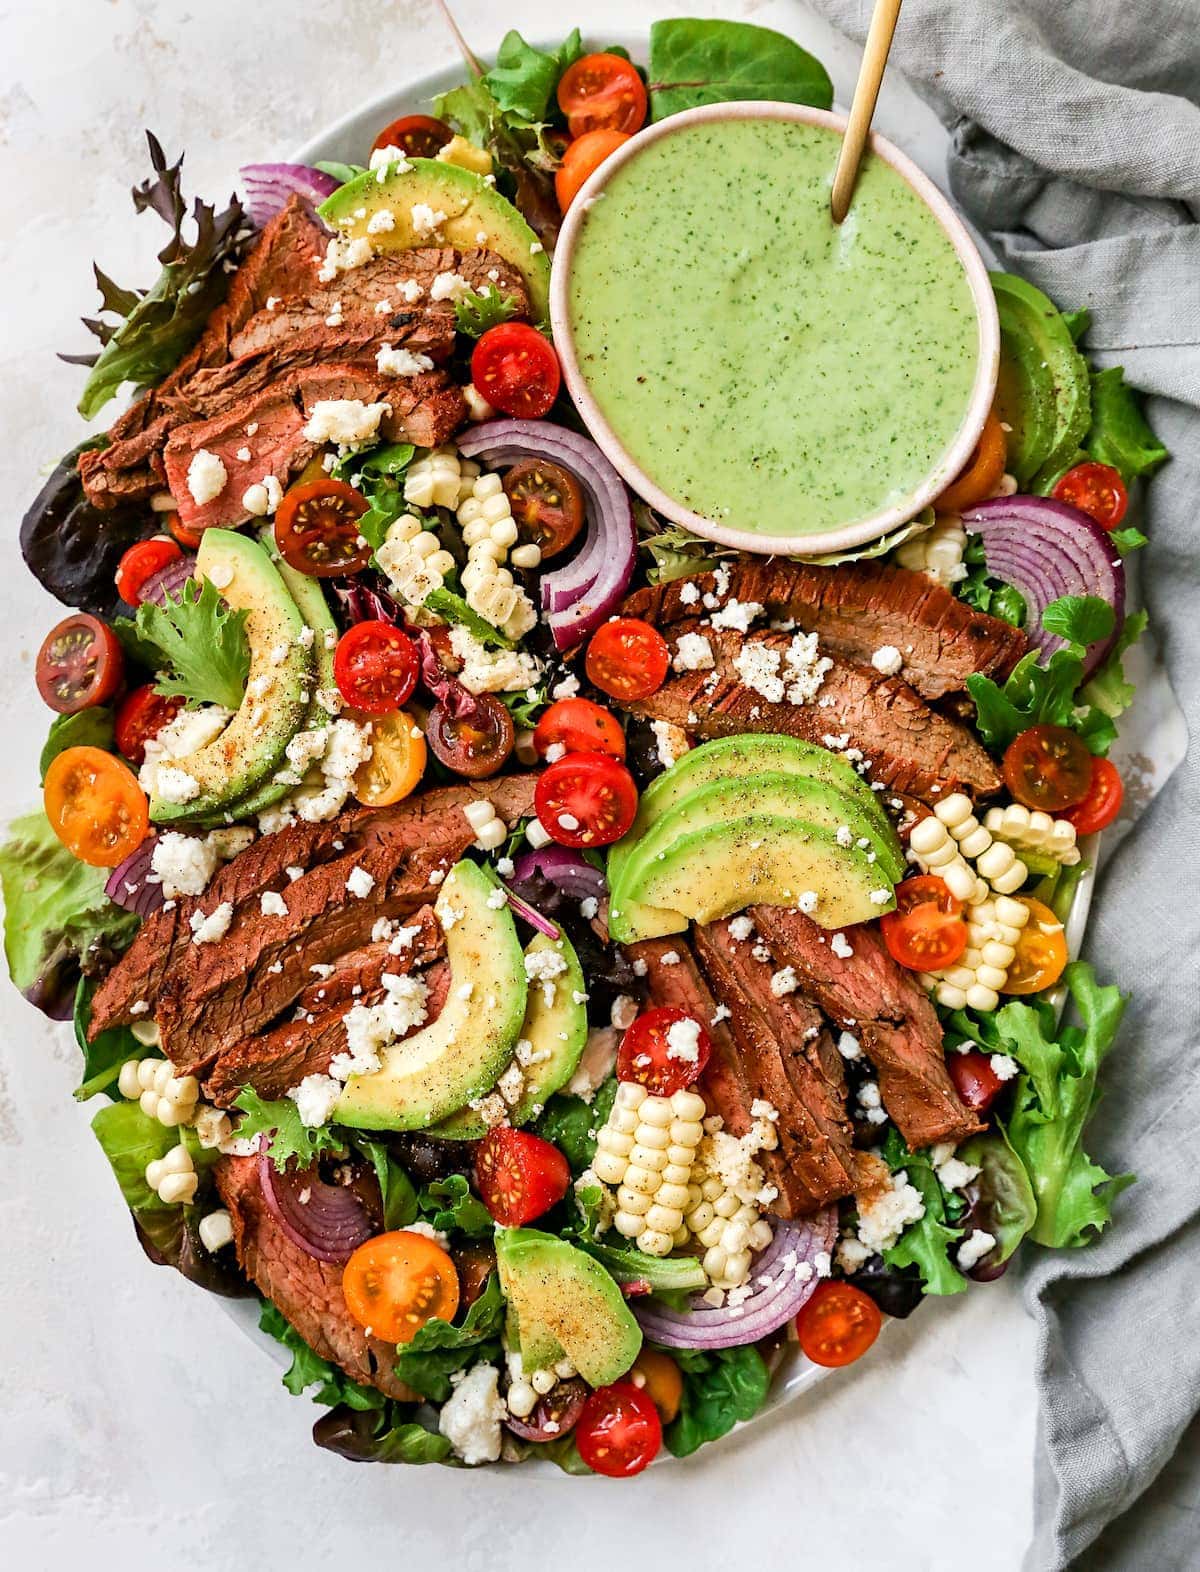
{"x": 1076, "y": 148}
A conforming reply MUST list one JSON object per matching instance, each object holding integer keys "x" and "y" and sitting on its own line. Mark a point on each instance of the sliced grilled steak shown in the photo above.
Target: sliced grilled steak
{"x": 306, "y": 1291}
{"x": 855, "y": 610}
{"x": 909, "y": 746}
{"x": 884, "y": 1006}
{"x": 787, "y": 1057}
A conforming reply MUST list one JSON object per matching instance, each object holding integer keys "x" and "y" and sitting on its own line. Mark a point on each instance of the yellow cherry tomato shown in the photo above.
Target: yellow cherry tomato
{"x": 397, "y": 760}
{"x": 1041, "y": 951}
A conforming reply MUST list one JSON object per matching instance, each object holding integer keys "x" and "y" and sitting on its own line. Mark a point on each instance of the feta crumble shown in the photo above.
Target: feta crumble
{"x": 206, "y": 477}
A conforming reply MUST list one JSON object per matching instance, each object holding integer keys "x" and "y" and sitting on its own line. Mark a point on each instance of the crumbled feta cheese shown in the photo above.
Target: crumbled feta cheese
{"x": 491, "y": 671}
{"x": 401, "y": 362}
{"x": 689, "y": 593}
{"x": 669, "y": 958}
{"x": 784, "y": 981}
{"x": 272, "y": 904}
{"x": 849, "y": 1046}
{"x": 683, "y": 1041}
{"x": 175, "y": 785}
{"x": 1004, "y": 1066}
{"x": 342, "y": 254}
{"x": 360, "y": 883}
{"x": 670, "y": 742}
{"x": 740, "y": 928}
{"x": 256, "y": 500}
{"x": 888, "y": 1212}
{"x": 880, "y": 897}
{"x": 389, "y": 160}
{"x": 737, "y": 615}
{"x": 758, "y": 666}
{"x": 370, "y": 1028}
{"x": 381, "y": 222}
{"x": 693, "y": 652}
{"x": 315, "y": 1099}
{"x": 426, "y": 221}
{"x": 567, "y": 688}
{"x": 346, "y": 421}
{"x": 974, "y": 1247}
{"x": 808, "y": 902}
{"x": 210, "y": 929}
{"x": 184, "y": 863}
{"x": 887, "y": 659}
{"x": 841, "y": 947}
{"x": 206, "y": 477}
{"x": 449, "y": 286}
{"x": 471, "y": 1416}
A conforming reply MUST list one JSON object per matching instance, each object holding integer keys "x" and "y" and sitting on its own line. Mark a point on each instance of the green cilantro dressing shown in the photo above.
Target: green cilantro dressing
{"x": 767, "y": 369}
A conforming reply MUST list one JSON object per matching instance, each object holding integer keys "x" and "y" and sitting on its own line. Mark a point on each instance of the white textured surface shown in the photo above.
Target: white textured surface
{"x": 141, "y": 1429}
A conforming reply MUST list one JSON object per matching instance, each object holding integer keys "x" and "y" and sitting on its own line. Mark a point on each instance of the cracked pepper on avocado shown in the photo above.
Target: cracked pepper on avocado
{"x": 565, "y": 970}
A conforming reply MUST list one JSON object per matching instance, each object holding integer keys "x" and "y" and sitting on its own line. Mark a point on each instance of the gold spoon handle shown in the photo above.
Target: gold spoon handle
{"x": 866, "y": 91}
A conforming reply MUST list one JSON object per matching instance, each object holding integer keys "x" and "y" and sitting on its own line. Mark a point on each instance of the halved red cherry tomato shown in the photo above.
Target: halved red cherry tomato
{"x": 583, "y": 155}
{"x": 602, "y": 93}
{"x": 1041, "y": 956}
{"x": 397, "y": 1282}
{"x": 976, "y": 1083}
{"x": 516, "y": 369}
{"x": 375, "y": 667}
{"x": 95, "y": 806}
{"x": 619, "y": 1432}
{"x": 926, "y": 930}
{"x": 420, "y": 136}
{"x": 586, "y": 799}
{"x": 1103, "y": 801}
{"x": 838, "y": 1324}
{"x": 661, "y": 1063}
{"x": 79, "y": 664}
{"x": 316, "y": 529}
{"x": 142, "y": 562}
{"x": 142, "y": 715}
{"x": 474, "y": 745}
{"x": 1097, "y": 490}
{"x": 519, "y": 1175}
{"x": 627, "y": 658}
{"x": 546, "y": 502}
{"x": 1048, "y": 767}
{"x": 579, "y": 726}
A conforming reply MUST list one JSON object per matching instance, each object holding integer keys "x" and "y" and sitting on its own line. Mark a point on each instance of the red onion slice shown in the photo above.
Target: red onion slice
{"x": 169, "y": 580}
{"x": 133, "y": 884}
{"x": 567, "y": 870}
{"x": 268, "y": 187}
{"x": 780, "y": 1286}
{"x": 1048, "y": 549}
{"x": 329, "y": 1223}
{"x": 530, "y": 914}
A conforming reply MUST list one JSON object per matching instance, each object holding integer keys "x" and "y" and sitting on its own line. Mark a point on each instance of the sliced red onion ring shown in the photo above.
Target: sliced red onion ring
{"x": 329, "y": 1223}
{"x": 133, "y": 884}
{"x": 1048, "y": 549}
{"x": 556, "y": 1415}
{"x": 779, "y": 1288}
{"x": 567, "y": 870}
{"x": 530, "y": 914}
{"x": 169, "y": 580}
{"x": 268, "y": 187}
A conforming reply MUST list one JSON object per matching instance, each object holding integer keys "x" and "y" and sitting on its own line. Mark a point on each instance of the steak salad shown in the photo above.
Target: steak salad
{"x": 564, "y": 969}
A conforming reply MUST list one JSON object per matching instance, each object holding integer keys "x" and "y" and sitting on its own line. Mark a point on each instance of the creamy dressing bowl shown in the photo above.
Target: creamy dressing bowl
{"x": 760, "y": 376}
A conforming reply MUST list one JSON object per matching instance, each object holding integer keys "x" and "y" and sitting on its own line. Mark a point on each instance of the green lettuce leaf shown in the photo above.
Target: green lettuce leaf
{"x": 288, "y": 1136}
{"x": 379, "y": 475}
{"x": 478, "y": 311}
{"x": 130, "y": 1140}
{"x": 1080, "y": 619}
{"x": 441, "y": 1348}
{"x": 448, "y": 1205}
{"x": 395, "y": 1187}
{"x": 695, "y": 62}
{"x": 571, "y": 1124}
{"x": 719, "y": 1390}
{"x": 102, "y": 1059}
{"x": 523, "y": 80}
{"x": 1120, "y": 434}
{"x": 343, "y": 172}
{"x": 308, "y": 1369}
{"x": 202, "y": 642}
{"x": 924, "y": 1244}
{"x": 1108, "y": 689}
{"x": 91, "y": 728}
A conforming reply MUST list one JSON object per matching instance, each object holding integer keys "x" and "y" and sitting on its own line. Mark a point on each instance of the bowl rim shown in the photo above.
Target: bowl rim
{"x": 844, "y": 536}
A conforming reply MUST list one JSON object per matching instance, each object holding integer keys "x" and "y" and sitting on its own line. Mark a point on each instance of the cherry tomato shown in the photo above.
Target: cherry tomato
{"x": 475, "y": 746}
{"x": 1041, "y": 956}
{"x": 585, "y": 154}
{"x": 546, "y": 502}
{"x": 586, "y": 799}
{"x": 1102, "y": 803}
{"x": 95, "y": 806}
{"x": 1048, "y": 767}
{"x": 375, "y": 667}
{"x": 419, "y": 136}
{"x": 627, "y": 659}
{"x": 519, "y": 1175}
{"x": 189, "y": 539}
{"x": 619, "y": 1432}
{"x": 838, "y": 1324}
{"x": 983, "y": 472}
{"x": 397, "y": 761}
{"x": 142, "y": 715}
{"x": 396, "y": 1282}
{"x": 1097, "y": 490}
{"x": 316, "y": 529}
{"x": 79, "y": 664}
{"x": 142, "y": 562}
{"x": 602, "y": 93}
{"x": 516, "y": 369}
{"x": 648, "y": 1055}
{"x": 660, "y": 1378}
{"x": 927, "y": 930}
{"x": 579, "y": 726}
{"x": 976, "y": 1083}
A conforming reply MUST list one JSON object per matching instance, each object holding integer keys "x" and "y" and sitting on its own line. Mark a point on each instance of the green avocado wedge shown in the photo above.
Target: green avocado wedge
{"x": 463, "y": 1052}
{"x": 475, "y": 215}
{"x": 1044, "y": 391}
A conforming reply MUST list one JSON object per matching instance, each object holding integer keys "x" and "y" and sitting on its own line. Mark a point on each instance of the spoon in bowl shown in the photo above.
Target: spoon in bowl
{"x": 862, "y": 109}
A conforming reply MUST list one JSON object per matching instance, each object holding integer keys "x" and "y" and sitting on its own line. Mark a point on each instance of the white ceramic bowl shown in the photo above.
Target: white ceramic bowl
{"x": 845, "y": 536}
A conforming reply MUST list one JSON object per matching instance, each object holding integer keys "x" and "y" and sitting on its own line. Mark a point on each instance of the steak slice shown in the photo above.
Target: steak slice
{"x": 883, "y": 1005}
{"x": 788, "y": 1058}
{"x": 855, "y": 609}
{"x": 907, "y": 745}
{"x": 307, "y": 1292}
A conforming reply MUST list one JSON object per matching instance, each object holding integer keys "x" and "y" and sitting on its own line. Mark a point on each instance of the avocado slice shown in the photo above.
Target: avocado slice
{"x": 251, "y": 746}
{"x": 759, "y": 858}
{"x": 556, "y": 1032}
{"x": 1044, "y": 392}
{"x": 561, "y": 1302}
{"x": 463, "y": 1052}
{"x": 473, "y": 210}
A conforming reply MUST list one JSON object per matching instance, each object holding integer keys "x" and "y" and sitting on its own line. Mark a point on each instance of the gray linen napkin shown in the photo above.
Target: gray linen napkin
{"x": 1076, "y": 148}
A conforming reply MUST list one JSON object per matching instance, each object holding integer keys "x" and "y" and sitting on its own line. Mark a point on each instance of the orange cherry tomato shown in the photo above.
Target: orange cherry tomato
{"x": 95, "y": 806}
{"x": 927, "y": 930}
{"x": 983, "y": 473}
{"x": 579, "y": 726}
{"x": 316, "y": 529}
{"x": 397, "y": 761}
{"x": 419, "y": 136}
{"x": 627, "y": 659}
{"x": 586, "y": 799}
{"x": 1041, "y": 956}
{"x": 838, "y": 1324}
{"x": 660, "y": 1378}
{"x": 189, "y": 539}
{"x": 1102, "y": 803}
{"x": 583, "y": 155}
{"x": 602, "y": 93}
{"x": 515, "y": 368}
{"x": 396, "y": 1282}
{"x": 80, "y": 664}
{"x": 1048, "y": 767}
{"x": 1097, "y": 490}
{"x": 619, "y": 1432}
